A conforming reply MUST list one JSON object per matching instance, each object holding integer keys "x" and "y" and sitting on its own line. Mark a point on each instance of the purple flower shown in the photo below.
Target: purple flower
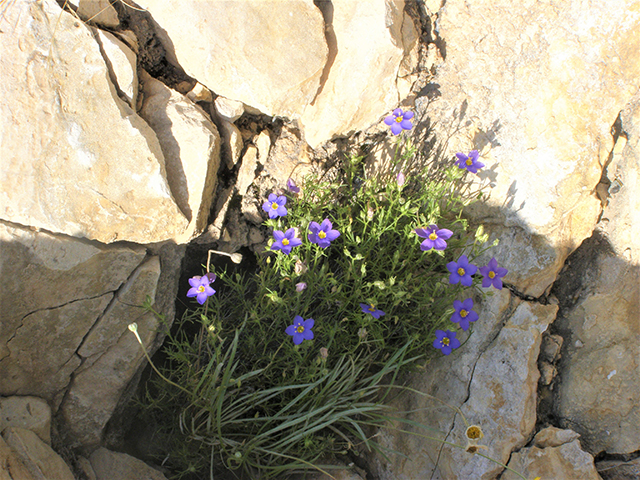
{"x": 463, "y": 314}
{"x": 300, "y": 330}
{"x": 291, "y": 185}
{"x": 300, "y": 287}
{"x": 275, "y": 206}
{"x": 285, "y": 241}
{"x": 435, "y": 238}
{"x": 461, "y": 271}
{"x": 370, "y": 309}
{"x": 400, "y": 179}
{"x": 399, "y": 121}
{"x": 200, "y": 287}
{"x": 322, "y": 234}
{"x": 446, "y": 342}
{"x": 470, "y": 162}
{"x": 493, "y": 274}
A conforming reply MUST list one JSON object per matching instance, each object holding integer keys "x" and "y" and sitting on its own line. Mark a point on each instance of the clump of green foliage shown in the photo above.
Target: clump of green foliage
{"x": 244, "y": 398}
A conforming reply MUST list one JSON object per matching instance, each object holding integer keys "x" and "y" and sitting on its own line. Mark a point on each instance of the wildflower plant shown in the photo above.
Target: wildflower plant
{"x": 260, "y": 393}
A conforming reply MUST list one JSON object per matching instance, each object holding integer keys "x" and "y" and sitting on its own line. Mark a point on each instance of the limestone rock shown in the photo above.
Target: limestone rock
{"x": 200, "y": 93}
{"x": 269, "y": 55}
{"x": 75, "y": 158}
{"x": 37, "y": 318}
{"x": 111, "y": 355}
{"x": 108, "y": 465}
{"x": 233, "y": 142}
{"x": 247, "y": 171}
{"x": 554, "y": 437}
{"x": 263, "y": 144}
{"x": 38, "y": 457}
{"x": 566, "y": 461}
{"x": 367, "y": 43}
{"x": 492, "y": 385}
{"x": 31, "y": 413}
{"x": 597, "y": 396}
{"x": 619, "y": 470}
{"x": 191, "y": 147}
{"x": 122, "y": 65}
{"x": 289, "y": 157}
{"x": 539, "y": 105}
{"x": 229, "y": 110}
{"x": 98, "y": 11}
{"x": 11, "y": 466}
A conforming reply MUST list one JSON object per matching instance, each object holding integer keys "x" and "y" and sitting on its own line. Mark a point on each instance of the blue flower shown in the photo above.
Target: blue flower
{"x": 469, "y": 162}
{"x": 446, "y": 342}
{"x": 300, "y": 330}
{"x": 200, "y": 287}
{"x": 275, "y": 206}
{"x": 493, "y": 274}
{"x": 285, "y": 241}
{"x": 399, "y": 121}
{"x": 461, "y": 271}
{"x": 291, "y": 185}
{"x": 435, "y": 238}
{"x": 322, "y": 234}
{"x": 463, "y": 313}
{"x": 371, "y": 310}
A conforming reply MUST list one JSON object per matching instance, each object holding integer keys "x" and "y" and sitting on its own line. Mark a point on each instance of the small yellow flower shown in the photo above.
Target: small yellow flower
{"x": 474, "y": 432}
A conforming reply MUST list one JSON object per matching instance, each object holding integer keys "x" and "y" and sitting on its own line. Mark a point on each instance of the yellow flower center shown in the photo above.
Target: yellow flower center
{"x": 321, "y": 234}
{"x": 300, "y": 329}
{"x": 285, "y": 242}
{"x": 474, "y": 432}
{"x": 274, "y": 206}
{"x": 433, "y": 236}
{"x": 399, "y": 119}
{"x": 461, "y": 271}
{"x": 469, "y": 161}
{"x": 372, "y": 308}
{"x": 201, "y": 288}
{"x": 463, "y": 313}
{"x": 492, "y": 274}
{"x": 445, "y": 341}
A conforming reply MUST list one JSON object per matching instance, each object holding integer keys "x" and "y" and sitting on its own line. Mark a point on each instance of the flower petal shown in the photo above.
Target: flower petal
{"x": 422, "y": 232}
{"x": 444, "y": 233}
{"x": 440, "y": 244}
{"x": 407, "y": 115}
{"x": 467, "y": 304}
{"x": 390, "y": 120}
{"x": 396, "y": 128}
{"x": 278, "y": 235}
{"x": 326, "y": 225}
{"x": 290, "y": 330}
{"x": 332, "y": 235}
{"x": 406, "y": 124}
{"x": 314, "y": 227}
{"x": 397, "y": 112}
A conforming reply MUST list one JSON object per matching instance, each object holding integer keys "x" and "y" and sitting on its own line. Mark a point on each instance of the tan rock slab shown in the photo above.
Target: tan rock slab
{"x": 566, "y": 461}
{"x": 75, "y": 158}
{"x": 536, "y": 88}
{"x": 37, "y": 318}
{"x": 269, "y": 55}
{"x": 111, "y": 356}
{"x": 32, "y": 413}
{"x": 191, "y": 147}
{"x": 109, "y": 465}
{"x": 11, "y": 466}
{"x": 122, "y": 63}
{"x": 98, "y": 11}
{"x": 38, "y": 457}
{"x": 371, "y": 40}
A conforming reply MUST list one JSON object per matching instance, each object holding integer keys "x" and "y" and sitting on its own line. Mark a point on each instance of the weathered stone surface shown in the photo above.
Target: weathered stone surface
{"x": 31, "y": 413}
{"x": 38, "y": 457}
{"x": 600, "y": 371}
{"x": 98, "y": 11}
{"x": 563, "y": 460}
{"x": 191, "y": 147}
{"x": 538, "y": 101}
{"x": 289, "y": 156}
{"x": 619, "y": 470}
{"x": 11, "y": 466}
{"x": 37, "y": 318}
{"x": 492, "y": 385}
{"x": 233, "y": 142}
{"x": 269, "y": 55}
{"x": 247, "y": 171}
{"x": 75, "y": 158}
{"x": 121, "y": 63}
{"x": 111, "y": 355}
{"x": 229, "y": 110}
{"x": 108, "y": 465}
{"x": 367, "y": 42}
{"x": 263, "y": 144}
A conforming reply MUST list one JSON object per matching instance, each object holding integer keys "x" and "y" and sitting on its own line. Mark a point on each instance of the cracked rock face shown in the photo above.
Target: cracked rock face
{"x": 600, "y": 375}
{"x": 269, "y": 55}
{"x": 535, "y": 87}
